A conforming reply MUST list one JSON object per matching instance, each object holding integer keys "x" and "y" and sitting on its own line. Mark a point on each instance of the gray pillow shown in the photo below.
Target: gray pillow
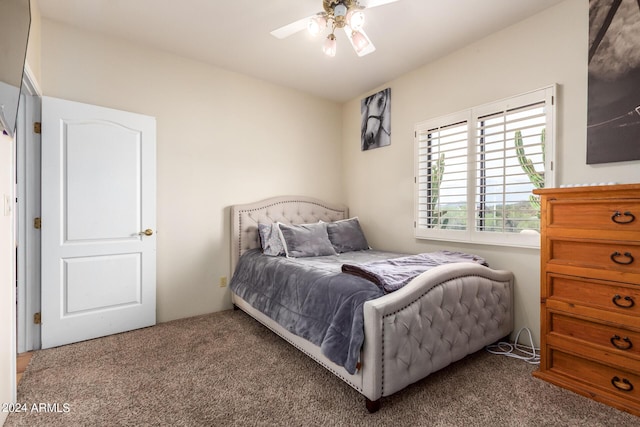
{"x": 346, "y": 236}
{"x": 305, "y": 240}
{"x": 270, "y": 239}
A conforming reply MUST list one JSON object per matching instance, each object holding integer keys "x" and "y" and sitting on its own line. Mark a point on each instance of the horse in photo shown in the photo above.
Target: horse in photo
{"x": 376, "y": 120}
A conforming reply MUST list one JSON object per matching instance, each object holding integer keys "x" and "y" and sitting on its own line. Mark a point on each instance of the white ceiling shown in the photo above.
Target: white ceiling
{"x": 235, "y": 35}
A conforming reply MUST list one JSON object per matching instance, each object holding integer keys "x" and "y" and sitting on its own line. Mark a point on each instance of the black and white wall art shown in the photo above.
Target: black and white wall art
{"x": 376, "y": 120}
{"x": 613, "y": 123}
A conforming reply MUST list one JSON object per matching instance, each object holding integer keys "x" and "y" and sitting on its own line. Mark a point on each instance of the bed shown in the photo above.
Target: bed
{"x": 437, "y": 318}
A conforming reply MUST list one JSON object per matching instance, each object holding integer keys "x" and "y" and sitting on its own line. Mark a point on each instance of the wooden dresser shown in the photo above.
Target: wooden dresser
{"x": 590, "y": 292}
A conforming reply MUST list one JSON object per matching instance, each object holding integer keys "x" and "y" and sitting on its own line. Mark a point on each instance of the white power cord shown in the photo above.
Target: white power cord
{"x": 529, "y": 354}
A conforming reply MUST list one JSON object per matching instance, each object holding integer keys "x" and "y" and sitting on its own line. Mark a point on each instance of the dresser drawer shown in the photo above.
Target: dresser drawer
{"x": 618, "y": 339}
{"x": 611, "y": 380}
{"x": 609, "y": 296}
{"x": 609, "y": 255}
{"x": 596, "y": 214}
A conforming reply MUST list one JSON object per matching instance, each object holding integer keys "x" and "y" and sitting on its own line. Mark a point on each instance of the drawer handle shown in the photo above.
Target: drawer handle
{"x": 615, "y": 217}
{"x": 616, "y": 255}
{"x": 622, "y": 384}
{"x": 630, "y": 300}
{"x": 615, "y": 340}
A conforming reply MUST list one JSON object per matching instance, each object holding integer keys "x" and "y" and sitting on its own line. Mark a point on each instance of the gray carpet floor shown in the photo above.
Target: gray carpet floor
{"x": 225, "y": 369}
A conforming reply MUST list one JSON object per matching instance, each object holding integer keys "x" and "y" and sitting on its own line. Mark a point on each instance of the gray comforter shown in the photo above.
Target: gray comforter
{"x": 309, "y": 297}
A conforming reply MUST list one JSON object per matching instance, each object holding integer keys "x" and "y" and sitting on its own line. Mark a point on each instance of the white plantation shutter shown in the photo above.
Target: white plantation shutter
{"x": 504, "y": 186}
{"x": 476, "y": 170}
{"x": 442, "y": 153}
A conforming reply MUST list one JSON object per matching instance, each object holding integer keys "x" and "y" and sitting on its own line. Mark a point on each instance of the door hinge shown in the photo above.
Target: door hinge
{"x": 37, "y": 127}
{"x": 37, "y": 223}
{"x": 37, "y": 318}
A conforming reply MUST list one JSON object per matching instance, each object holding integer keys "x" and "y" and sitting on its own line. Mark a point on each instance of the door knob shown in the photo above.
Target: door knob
{"x": 147, "y": 232}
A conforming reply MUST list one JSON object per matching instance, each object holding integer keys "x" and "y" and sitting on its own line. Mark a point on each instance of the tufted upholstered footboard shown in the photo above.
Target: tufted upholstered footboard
{"x": 438, "y": 318}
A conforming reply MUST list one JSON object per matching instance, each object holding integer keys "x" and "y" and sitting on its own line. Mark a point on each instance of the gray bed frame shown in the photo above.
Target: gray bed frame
{"x": 438, "y": 318}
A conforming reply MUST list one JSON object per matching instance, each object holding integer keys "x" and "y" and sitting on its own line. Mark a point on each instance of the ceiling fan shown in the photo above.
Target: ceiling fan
{"x": 346, "y": 14}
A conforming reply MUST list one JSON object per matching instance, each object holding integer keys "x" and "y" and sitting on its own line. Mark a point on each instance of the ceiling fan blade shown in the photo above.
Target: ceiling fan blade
{"x": 292, "y": 28}
{"x": 375, "y": 3}
{"x": 366, "y": 49}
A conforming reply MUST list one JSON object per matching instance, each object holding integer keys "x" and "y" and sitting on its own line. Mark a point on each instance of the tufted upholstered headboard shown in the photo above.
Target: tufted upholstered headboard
{"x": 285, "y": 209}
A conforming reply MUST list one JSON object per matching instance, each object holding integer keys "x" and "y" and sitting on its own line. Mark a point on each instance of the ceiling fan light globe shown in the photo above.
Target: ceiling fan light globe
{"x": 330, "y": 46}
{"x": 316, "y": 25}
{"x": 359, "y": 41}
{"x": 355, "y": 20}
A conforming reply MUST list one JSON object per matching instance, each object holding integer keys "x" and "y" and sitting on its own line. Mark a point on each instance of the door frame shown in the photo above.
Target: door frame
{"x": 28, "y": 148}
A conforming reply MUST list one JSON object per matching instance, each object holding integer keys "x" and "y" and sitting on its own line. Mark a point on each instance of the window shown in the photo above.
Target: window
{"x": 476, "y": 169}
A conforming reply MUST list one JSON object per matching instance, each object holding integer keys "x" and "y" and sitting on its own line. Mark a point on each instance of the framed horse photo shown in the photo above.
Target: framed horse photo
{"x": 376, "y": 120}
{"x": 613, "y": 120}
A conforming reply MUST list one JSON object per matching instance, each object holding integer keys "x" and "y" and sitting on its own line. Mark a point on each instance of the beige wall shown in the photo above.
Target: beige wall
{"x": 223, "y": 138}
{"x": 548, "y": 48}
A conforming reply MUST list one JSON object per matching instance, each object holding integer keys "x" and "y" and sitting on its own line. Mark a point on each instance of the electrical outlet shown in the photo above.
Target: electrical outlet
{"x": 223, "y": 282}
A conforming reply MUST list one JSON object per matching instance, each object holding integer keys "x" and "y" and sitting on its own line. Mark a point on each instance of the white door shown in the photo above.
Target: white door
{"x": 98, "y": 199}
